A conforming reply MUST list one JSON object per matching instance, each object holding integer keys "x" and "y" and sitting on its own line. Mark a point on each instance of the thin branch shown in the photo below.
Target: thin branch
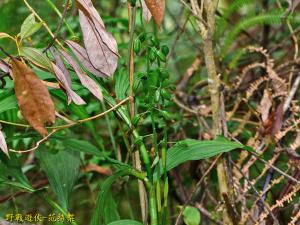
{"x": 58, "y": 128}
{"x": 58, "y": 27}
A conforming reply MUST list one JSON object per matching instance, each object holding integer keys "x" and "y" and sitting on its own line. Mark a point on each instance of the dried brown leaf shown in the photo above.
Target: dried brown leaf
{"x": 100, "y": 54}
{"x": 59, "y": 62}
{"x": 71, "y": 95}
{"x": 83, "y": 57}
{"x": 265, "y": 105}
{"x": 33, "y": 97}
{"x": 146, "y": 12}
{"x": 278, "y": 119}
{"x": 86, "y": 6}
{"x": 157, "y": 9}
{"x": 85, "y": 80}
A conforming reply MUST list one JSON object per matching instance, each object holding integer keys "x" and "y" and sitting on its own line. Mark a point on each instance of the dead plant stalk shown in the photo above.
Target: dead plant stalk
{"x": 206, "y": 32}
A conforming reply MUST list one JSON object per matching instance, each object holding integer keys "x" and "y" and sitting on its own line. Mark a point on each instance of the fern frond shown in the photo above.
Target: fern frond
{"x": 222, "y": 22}
{"x": 267, "y": 18}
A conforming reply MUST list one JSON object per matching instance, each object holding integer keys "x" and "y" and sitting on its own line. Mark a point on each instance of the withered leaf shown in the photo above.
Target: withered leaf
{"x": 278, "y": 119}
{"x": 265, "y": 105}
{"x": 33, "y": 97}
{"x": 85, "y": 80}
{"x": 60, "y": 64}
{"x": 4, "y": 66}
{"x": 64, "y": 78}
{"x": 100, "y": 45}
{"x": 86, "y": 6}
{"x": 3, "y": 145}
{"x": 100, "y": 55}
{"x": 146, "y": 12}
{"x": 71, "y": 95}
{"x": 157, "y": 9}
{"x": 83, "y": 57}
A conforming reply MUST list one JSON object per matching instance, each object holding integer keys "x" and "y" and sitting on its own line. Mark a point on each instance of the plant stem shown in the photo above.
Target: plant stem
{"x": 152, "y": 204}
{"x": 50, "y": 3}
{"x": 207, "y": 31}
{"x": 43, "y": 22}
{"x": 136, "y": 156}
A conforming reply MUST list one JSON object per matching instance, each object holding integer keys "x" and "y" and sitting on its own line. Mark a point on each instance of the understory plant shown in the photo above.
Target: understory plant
{"x": 150, "y": 112}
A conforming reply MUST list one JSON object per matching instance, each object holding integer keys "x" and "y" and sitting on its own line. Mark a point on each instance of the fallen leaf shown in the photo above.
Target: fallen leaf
{"x": 146, "y": 12}
{"x": 3, "y": 145}
{"x": 265, "y": 105}
{"x": 71, "y": 95}
{"x": 83, "y": 57}
{"x": 278, "y": 119}
{"x": 95, "y": 168}
{"x": 85, "y": 80}
{"x": 33, "y": 97}
{"x": 157, "y": 9}
{"x": 100, "y": 45}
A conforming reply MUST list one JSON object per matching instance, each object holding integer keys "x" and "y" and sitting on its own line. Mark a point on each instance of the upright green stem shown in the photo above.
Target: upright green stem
{"x": 152, "y": 203}
{"x": 136, "y": 156}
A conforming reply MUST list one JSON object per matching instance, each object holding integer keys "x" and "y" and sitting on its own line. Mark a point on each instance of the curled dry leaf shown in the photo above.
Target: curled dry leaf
{"x": 157, "y": 9}
{"x": 3, "y": 145}
{"x": 265, "y": 105}
{"x": 33, "y": 97}
{"x": 83, "y": 57}
{"x": 85, "y": 80}
{"x": 146, "y": 12}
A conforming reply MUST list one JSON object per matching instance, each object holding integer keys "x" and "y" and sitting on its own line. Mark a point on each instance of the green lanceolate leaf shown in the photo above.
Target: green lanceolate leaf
{"x": 36, "y": 57}
{"x": 101, "y": 204}
{"x": 5, "y": 35}
{"x": 11, "y": 173}
{"x": 8, "y": 101}
{"x": 125, "y": 222}
{"x": 29, "y": 27}
{"x": 62, "y": 170}
{"x": 190, "y": 149}
{"x": 191, "y": 216}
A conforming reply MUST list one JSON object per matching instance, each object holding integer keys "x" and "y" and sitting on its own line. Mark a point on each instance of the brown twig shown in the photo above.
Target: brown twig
{"x": 58, "y": 27}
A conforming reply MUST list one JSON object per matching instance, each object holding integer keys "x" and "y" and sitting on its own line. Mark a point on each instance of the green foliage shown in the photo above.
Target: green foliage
{"x": 187, "y": 150}
{"x": 125, "y": 222}
{"x": 266, "y": 18}
{"x": 104, "y": 199}
{"x": 62, "y": 170}
{"x": 191, "y": 216}
{"x": 29, "y": 27}
{"x": 11, "y": 173}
